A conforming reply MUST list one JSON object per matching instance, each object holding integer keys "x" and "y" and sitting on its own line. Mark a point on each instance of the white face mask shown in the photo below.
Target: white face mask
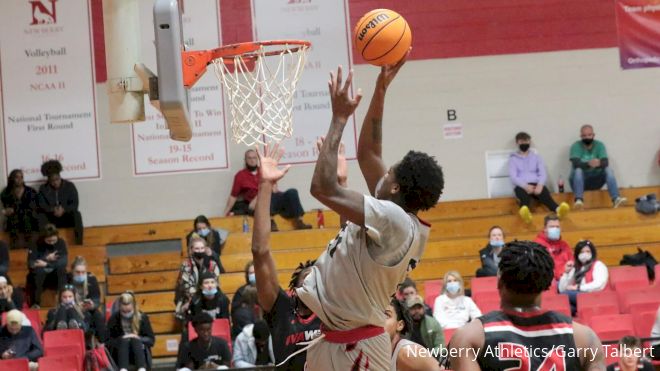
{"x": 584, "y": 257}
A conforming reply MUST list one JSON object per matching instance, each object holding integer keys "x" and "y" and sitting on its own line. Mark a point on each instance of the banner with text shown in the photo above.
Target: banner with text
{"x": 153, "y": 151}
{"x": 638, "y": 24}
{"x": 325, "y": 24}
{"x": 47, "y": 87}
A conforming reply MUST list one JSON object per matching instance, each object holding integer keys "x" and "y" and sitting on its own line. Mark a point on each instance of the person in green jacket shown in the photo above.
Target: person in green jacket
{"x": 426, "y": 330}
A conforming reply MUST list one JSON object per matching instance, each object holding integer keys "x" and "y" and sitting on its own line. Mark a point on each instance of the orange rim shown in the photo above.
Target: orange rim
{"x": 248, "y": 49}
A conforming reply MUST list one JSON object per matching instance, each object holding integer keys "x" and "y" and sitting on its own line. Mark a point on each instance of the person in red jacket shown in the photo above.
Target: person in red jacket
{"x": 550, "y": 238}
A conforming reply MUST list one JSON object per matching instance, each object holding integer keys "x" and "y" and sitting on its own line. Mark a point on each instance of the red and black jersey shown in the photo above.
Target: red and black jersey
{"x": 538, "y": 341}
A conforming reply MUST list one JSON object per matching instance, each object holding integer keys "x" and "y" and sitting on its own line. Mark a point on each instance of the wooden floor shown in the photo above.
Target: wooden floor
{"x": 458, "y": 233}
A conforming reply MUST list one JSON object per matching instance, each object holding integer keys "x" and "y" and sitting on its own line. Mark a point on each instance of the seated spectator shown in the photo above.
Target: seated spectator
{"x": 250, "y": 280}
{"x": 89, "y": 295}
{"x": 245, "y": 311}
{"x": 244, "y": 192}
{"x": 490, "y": 255}
{"x": 425, "y": 330}
{"x": 202, "y": 228}
{"x": 655, "y": 333}
{"x": 631, "y": 356}
{"x": 550, "y": 238}
{"x": 209, "y": 298}
{"x": 191, "y": 269}
{"x": 19, "y": 203}
{"x": 58, "y": 201}
{"x": 397, "y": 325}
{"x": 10, "y": 298}
{"x": 591, "y": 168}
{"x": 408, "y": 289}
{"x": 69, "y": 313}
{"x": 254, "y": 346}
{"x": 47, "y": 263}
{"x": 130, "y": 336}
{"x": 19, "y": 341}
{"x": 4, "y": 259}
{"x": 583, "y": 274}
{"x": 527, "y": 172}
{"x": 453, "y": 309}
{"x": 206, "y": 351}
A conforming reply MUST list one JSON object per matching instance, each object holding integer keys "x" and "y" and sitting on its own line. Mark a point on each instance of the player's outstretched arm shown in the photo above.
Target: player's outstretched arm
{"x": 370, "y": 145}
{"x": 326, "y": 185}
{"x": 264, "y": 265}
{"x": 464, "y": 347}
{"x": 587, "y": 342}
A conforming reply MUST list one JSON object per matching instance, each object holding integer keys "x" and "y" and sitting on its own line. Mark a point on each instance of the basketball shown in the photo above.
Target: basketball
{"x": 382, "y": 37}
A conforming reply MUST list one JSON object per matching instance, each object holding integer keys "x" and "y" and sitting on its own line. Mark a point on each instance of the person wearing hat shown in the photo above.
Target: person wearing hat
{"x": 426, "y": 330}
{"x": 19, "y": 341}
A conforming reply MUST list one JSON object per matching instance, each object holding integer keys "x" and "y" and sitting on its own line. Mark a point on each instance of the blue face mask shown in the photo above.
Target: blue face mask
{"x": 210, "y": 292}
{"x": 496, "y": 243}
{"x": 453, "y": 287}
{"x": 128, "y": 315}
{"x": 554, "y": 233}
{"x": 79, "y": 278}
{"x": 252, "y": 279}
{"x": 204, "y": 232}
{"x": 68, "y": 301}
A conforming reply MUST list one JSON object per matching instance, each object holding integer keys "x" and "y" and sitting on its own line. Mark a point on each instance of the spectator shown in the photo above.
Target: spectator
{"x": 453, "y": 309}
{"x": 58, "y": 201}
{"x": 19, "y": 204}
{"x": 550, "y": 238}
{"x": 202, "y": 228}
{"x": 527, "y": 172}
{"x": 245, "y": 312}
{"x": 490, "y": 255}
{"x": 591, "y": 168}
{"x": 6, "y": 291}
{"x": 191, "y": 269}
{"x": 250, "y": 280}
{"x": 408, "y": 289}
{"x": 583, "y": 274}
{"x": 425, "y": 330}
{"x": 130, "y": 335}
{"x": 47, "y": 263}
{"x": 69, "y": 313}
{"x": 244, "y": 192}
{"x": 254, "y": 347}
{"x": 4, "y": 259}
{"x": 655, "y": 333}
{"x": 398, "y": 325}
{"x": 19, "y": 341}
{"x": 631, "y": 356}
{"x": 89, "y": 295}
{"x": 209, "y": 298}
{"x": 206, "y": 351}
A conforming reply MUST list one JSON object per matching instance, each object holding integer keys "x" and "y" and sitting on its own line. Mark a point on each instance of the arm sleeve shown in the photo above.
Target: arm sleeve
{"x": 600, "y": 276}
{"x": 604, "y": 162}
{"x": 63, "y": 254}
{"x": 473, "y": 309}
{"x": 543, "y": 176}
{"x": 93, "y": 291}
{"x": 36, "y": 350}
{"x": 33, "y": 256}
{"x": 513, "y": 175}
{"x": 71, "y": 203}
{"x": 146, "y": 333}
{"x": 224, "y": 307}
{"x": 42, "y": 201}
{"x": 577, "y": 164}
{"x": 389, "y": 228}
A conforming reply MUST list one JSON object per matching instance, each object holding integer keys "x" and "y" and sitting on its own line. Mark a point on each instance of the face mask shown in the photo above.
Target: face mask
{"x": 554, "y": 233}
{"x": 79, "y": 278}
{"x": 204, "y": 232}
{"x": 210, "y": 292}
{"x": 524, "y": 147}
{"x": 453, "y": 287}
{"x": 252, "y": 278}
{"x": 199, "y": 255}
{"x": 68, "y": 302}
{"x": 584, "y": 257}
{"x": 587, "y": 141}
{"x": 496, "y": 243}
{"x": 128, "y": 315}
{"x": 251, "y": 168}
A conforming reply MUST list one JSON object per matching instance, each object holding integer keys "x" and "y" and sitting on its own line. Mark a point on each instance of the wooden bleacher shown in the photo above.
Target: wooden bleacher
{"x": 458, "y": 232}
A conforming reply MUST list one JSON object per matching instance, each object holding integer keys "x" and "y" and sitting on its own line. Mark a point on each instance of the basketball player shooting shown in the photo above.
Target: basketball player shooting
{"x": 522, "y": 336}
{"x": 350, "y": 285}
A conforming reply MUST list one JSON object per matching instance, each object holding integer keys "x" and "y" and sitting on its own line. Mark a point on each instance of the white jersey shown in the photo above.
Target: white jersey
{"x": 395, "y": 354}
{"x": 351, "y": 284}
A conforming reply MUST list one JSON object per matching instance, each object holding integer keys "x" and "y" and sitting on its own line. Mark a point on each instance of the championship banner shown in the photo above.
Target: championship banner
{"x": 638, "y": 24}
{"x": 154, "y": 153}
{"x": 326, "y": 25}
{"x": 47, "y": 87}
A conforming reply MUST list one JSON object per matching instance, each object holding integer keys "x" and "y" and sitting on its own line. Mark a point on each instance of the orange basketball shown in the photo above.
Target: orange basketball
{"x": 382, "y": 37}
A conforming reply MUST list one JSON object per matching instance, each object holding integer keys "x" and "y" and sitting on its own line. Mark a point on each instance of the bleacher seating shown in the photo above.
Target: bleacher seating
{"x": 611, "y": 328}
{"x": 597, "y": 304}
{"x": 55, "y": 341}
{"x": 21, "y": 364}
{"x": 64, "y": 362}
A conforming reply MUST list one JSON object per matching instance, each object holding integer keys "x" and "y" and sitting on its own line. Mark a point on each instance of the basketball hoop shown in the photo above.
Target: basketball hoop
{"x": 261, "y": 89}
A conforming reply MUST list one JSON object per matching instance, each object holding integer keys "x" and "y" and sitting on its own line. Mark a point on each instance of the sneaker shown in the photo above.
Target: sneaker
{"x": 562, "y": 210}
{"x": 299, "y": 224}
{"x": 578, "y": 204}
{"x": 273, "y": 226}
{"x": 73, "y": 324}
{"x": 61, "y": 325}
{"x": 525, "y": 214}
{"x": 618, "y": 202}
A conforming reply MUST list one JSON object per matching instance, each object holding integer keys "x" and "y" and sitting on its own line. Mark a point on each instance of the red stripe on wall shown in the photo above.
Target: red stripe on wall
{"x": 99, "y": 41}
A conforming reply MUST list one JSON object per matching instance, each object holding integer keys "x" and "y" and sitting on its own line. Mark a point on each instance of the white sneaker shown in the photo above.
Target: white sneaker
{"x": 578, "y": 204}
{"x": 618, "y": 202}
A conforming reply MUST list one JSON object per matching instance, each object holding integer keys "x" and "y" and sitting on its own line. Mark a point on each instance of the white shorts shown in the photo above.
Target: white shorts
{"x": 370, "y": 354}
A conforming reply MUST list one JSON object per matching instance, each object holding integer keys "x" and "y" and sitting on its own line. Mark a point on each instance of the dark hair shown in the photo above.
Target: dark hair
{"x": 496, "y": 227}
{"x": 49, "y": 230}
{"x": 298, "y": 271}
{"x": 51, "y": 167}
{"x": 408, "y": 282}
{"x": 249, "y": 296}
{"x": 526, "y": 267}
{"x": 550, "y": 217}
{"x": 420, "y": 181}
{"x": 522, "y": 136}
{"x": 631, "y": 342}
{"x": 260, "y": 331}
{"x": 10, "y": 179}
{"x": 201, "y": 219}
{"x": 578, "y": 248}
{"x": 201, "y": 318}
{"x": 402, "y": 314}
{"x": 247, "y": 269}
{"x": 205, "y": 276}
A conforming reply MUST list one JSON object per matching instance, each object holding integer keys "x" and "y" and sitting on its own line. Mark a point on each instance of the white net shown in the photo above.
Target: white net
{"x": 260, "y": 89}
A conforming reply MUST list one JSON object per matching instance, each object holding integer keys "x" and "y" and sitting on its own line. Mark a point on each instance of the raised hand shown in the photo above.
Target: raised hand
{"x": 388, "y": 72}
{"x": 269, "y": 159}
{"x": 343, "y": 105}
